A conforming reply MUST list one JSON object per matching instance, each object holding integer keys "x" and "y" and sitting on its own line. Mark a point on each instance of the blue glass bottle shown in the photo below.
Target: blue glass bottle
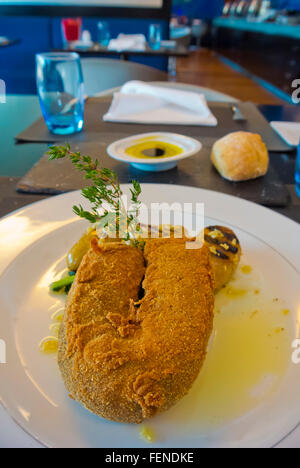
{"x": 155, "y": 36}
{"x": 103, "y": 33}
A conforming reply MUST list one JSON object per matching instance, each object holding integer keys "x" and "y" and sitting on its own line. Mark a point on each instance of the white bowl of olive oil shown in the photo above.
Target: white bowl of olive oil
{"x": 154, "y": 152}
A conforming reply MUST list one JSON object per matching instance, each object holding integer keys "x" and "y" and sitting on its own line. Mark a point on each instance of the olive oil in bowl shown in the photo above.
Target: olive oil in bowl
{"x": 154, "y": 149}
{"x": 154, "y": 152}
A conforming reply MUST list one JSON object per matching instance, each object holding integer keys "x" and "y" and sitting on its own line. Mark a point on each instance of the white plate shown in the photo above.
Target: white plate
{"x": 289, "y": 131}
{"x": 33, "y": 244}
{"x": 190, "y": 146}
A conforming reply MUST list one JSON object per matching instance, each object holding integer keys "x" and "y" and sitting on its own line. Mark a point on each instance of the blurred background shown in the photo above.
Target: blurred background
{"x": 259, "y": 38}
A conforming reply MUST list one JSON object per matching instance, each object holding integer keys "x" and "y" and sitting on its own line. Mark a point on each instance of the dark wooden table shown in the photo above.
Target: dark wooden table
{"x": 98, "y": 51}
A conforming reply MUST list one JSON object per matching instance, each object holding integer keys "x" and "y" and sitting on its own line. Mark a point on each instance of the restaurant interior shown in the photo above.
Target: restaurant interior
{"x": 173, "y": 102}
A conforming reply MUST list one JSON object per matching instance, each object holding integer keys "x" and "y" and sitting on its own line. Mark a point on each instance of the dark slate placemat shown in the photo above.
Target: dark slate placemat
{"x": 96, "y": 129}
{"x": 10, "y": 200}
{"x": 59, "y": 176}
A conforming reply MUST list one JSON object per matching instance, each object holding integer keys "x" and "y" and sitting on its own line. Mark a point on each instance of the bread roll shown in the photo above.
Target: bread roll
{"x": 240, "y": 156}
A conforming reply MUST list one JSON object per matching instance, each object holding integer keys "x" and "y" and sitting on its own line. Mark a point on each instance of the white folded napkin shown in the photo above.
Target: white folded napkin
{"x": 289, "y": 131}
{"x": 138, "y": 102}
{"x": 136, "y": 42}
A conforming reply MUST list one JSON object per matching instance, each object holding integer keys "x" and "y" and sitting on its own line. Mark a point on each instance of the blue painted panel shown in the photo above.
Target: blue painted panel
{"x": 17, "y": 63}
{"x": 293, "y": 5}
{"x": 203, "y": 9}
{"x": 286, "y": 4}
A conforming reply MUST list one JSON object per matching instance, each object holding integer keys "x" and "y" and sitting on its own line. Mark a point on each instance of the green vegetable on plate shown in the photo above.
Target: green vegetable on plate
{"x": 63, "y": 284}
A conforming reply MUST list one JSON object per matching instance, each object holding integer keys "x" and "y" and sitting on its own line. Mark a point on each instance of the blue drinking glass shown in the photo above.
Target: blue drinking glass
{"x": 297, "y": 173}
{"x": 155, "y": 36}
{"x": 61, "y": 91}
{"x": 103, "y": 33}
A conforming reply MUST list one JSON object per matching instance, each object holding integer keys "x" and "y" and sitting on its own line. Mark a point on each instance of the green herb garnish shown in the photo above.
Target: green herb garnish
{"x": 105, "y": 195}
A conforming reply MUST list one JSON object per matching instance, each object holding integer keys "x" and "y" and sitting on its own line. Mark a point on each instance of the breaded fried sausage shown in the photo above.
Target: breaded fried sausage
{"x": 127, "y": 360}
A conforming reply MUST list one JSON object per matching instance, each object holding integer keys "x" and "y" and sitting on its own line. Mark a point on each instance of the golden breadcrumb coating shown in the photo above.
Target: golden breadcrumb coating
{"x": 125, "y": 359}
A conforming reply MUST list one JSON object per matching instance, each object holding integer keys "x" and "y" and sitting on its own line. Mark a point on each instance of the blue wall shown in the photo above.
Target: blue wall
{"x": 286, "y": 4}
{"x": 17, "y": 63}
{"x": 204, "y": 9}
